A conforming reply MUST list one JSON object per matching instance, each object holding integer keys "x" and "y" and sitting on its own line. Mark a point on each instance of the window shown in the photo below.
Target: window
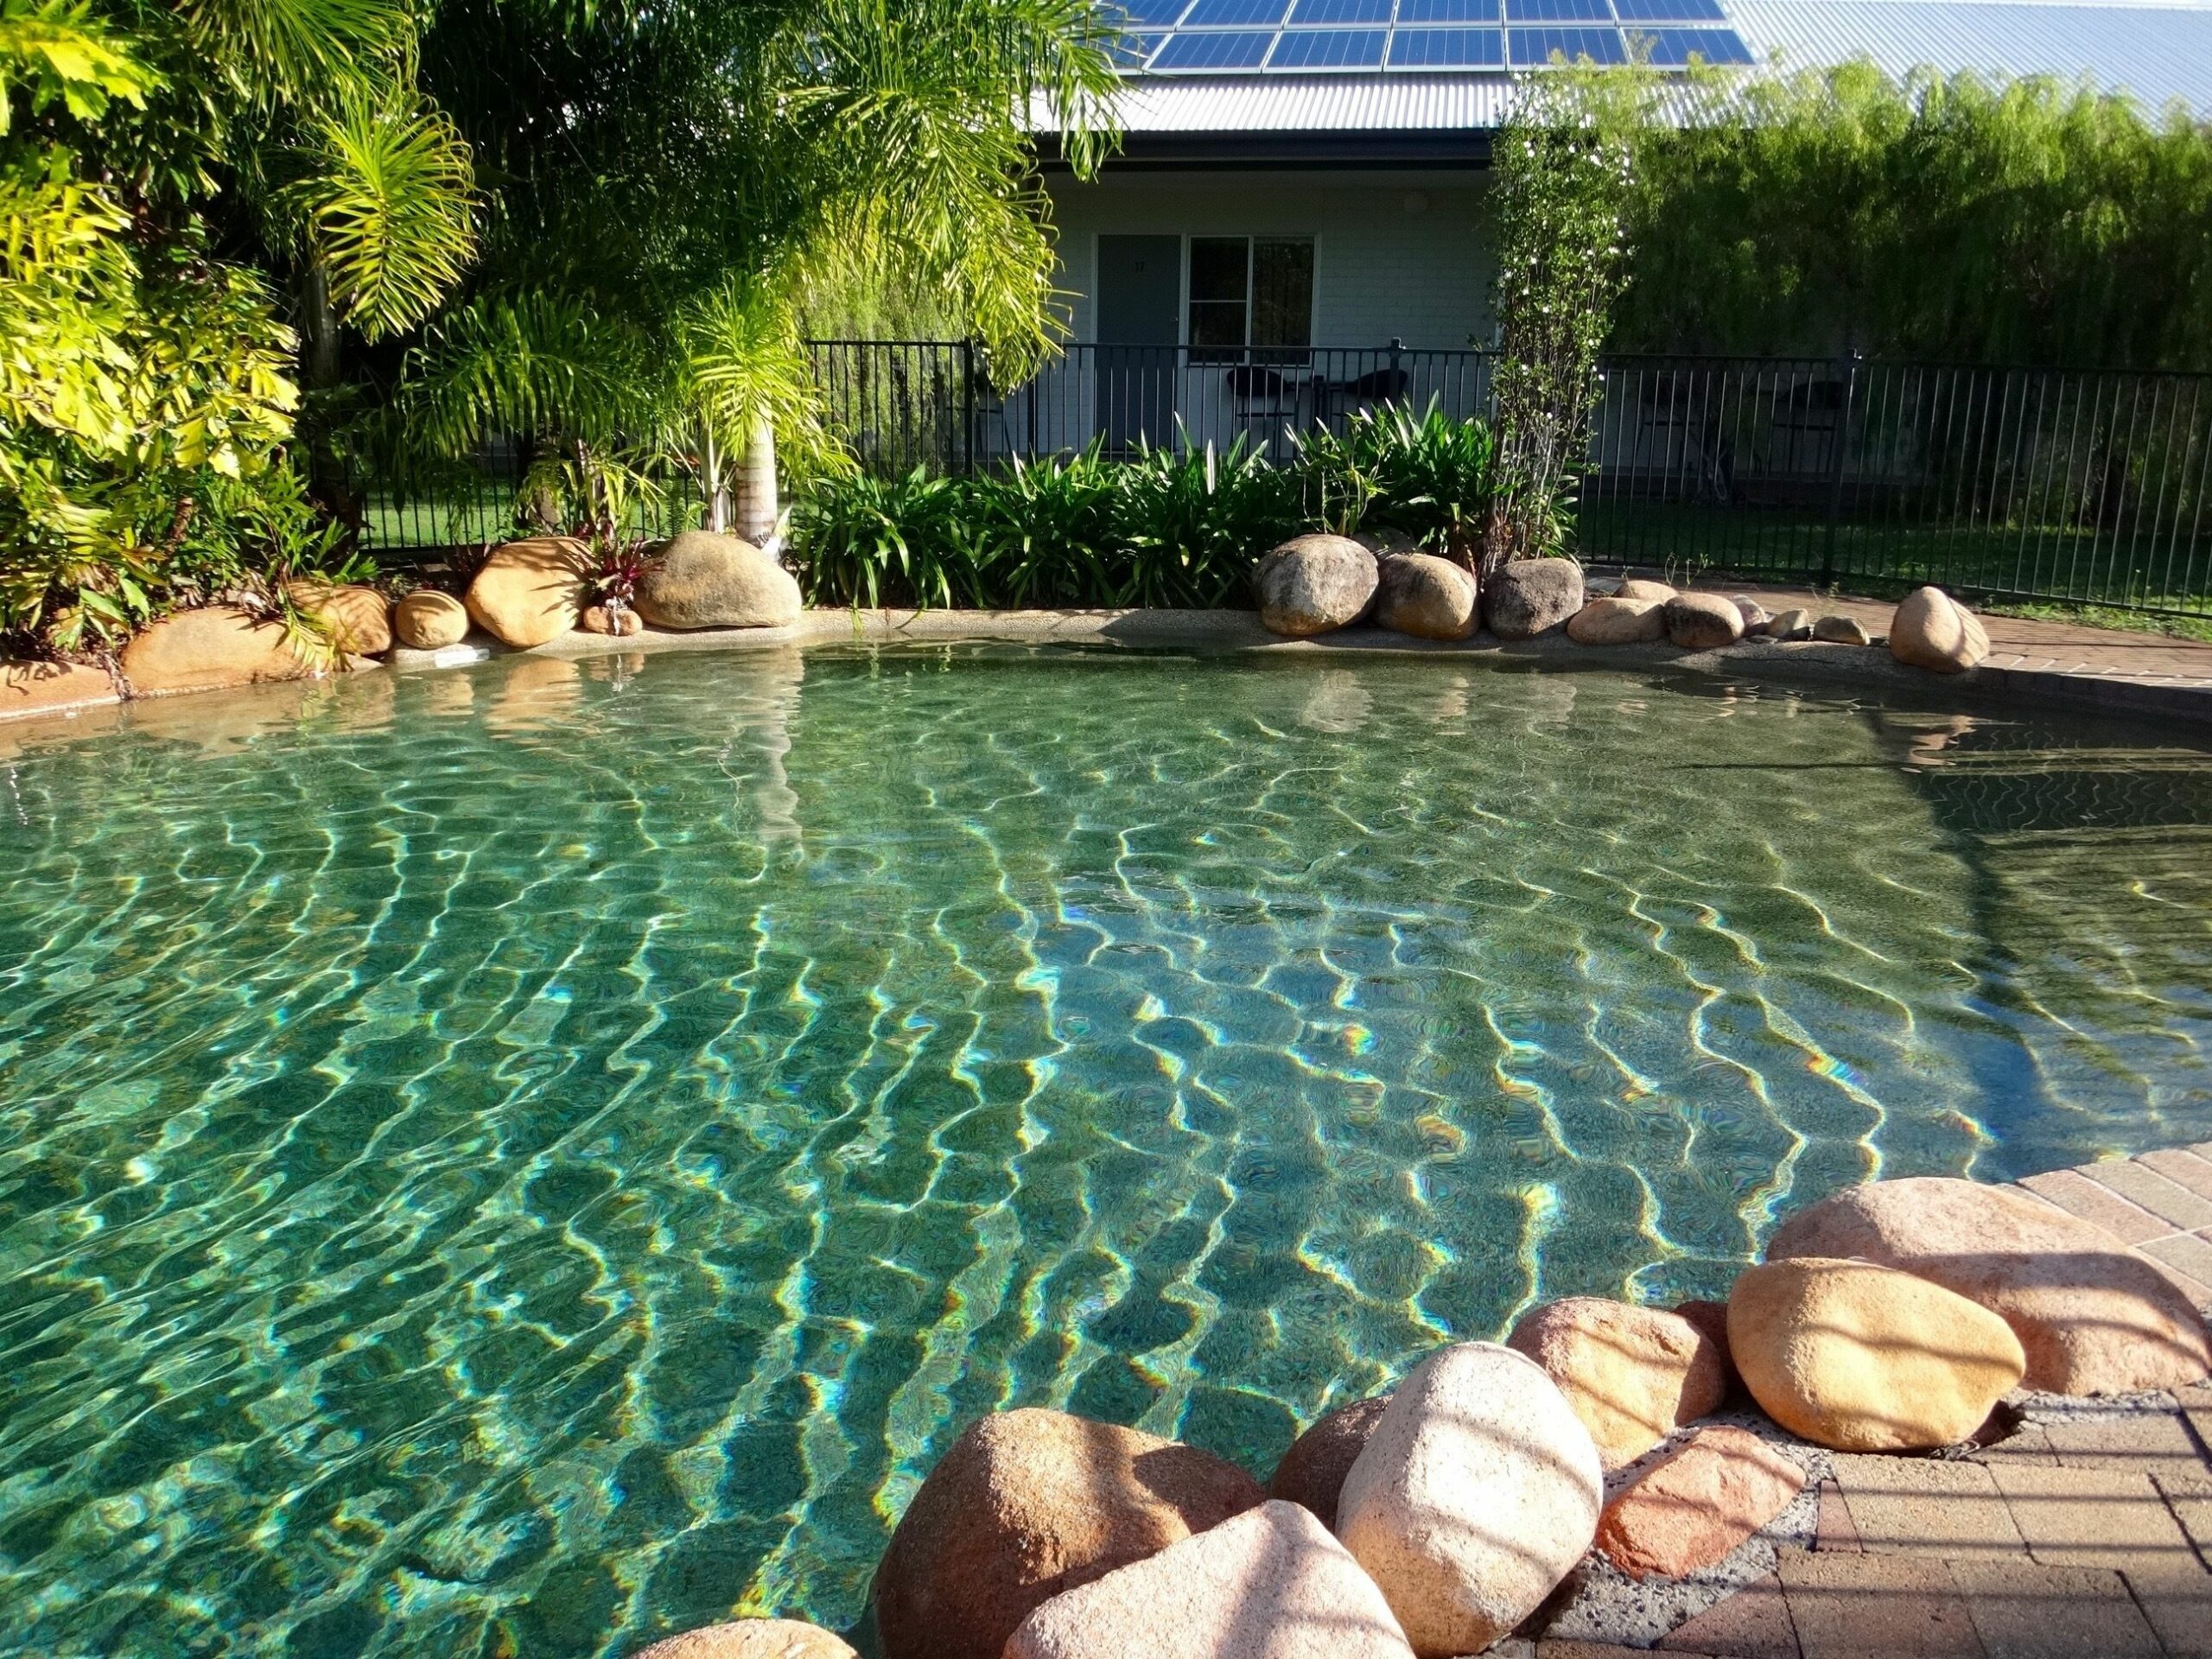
{"x": 1251, "y": 299}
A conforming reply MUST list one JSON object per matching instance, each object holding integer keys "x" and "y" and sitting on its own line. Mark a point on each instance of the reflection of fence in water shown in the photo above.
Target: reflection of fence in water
{"x": 2085, "y": 485}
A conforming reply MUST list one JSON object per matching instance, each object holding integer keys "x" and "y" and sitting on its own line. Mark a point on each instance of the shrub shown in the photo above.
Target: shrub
{"x": 1430, "y": 476}
{"x": 860, "y": 540}
{"x": 1194, "y": 521}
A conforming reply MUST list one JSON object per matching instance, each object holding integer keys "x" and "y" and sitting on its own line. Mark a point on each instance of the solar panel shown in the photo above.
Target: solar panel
{"x": 1533, "y": 48}
{"x": 1243, "y": 49}
{"x": 1448, "y": 48}
{"x": 1131, "y": 50}
{"x": 1316, "y": 12}
{"x": 1448, "y": 12}
{"x": 1154, "y": 13}
{"x": 1558, "y": 11}
{"x": 1236, "y": 14}
{"x": 1329, "y": 49}
{"x": 1670, "y": 11}
{"x": 1671, "y": 48}
{"x": 1291, "y": 37}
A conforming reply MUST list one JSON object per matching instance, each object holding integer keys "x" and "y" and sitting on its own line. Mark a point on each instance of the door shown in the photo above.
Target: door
{"x": 1139, "y": 297}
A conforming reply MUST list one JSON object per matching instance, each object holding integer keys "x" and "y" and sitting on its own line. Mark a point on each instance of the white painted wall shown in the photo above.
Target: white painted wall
{"x": 1382, "y": 268}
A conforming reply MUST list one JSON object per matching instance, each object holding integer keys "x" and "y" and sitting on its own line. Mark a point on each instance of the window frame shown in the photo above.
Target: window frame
{"x": 1231, "y": 356}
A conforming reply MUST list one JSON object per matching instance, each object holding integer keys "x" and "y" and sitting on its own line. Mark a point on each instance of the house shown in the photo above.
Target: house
{"x": 1296, "y": 218}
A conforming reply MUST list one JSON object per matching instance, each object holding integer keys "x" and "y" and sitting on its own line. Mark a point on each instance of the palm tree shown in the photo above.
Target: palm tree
{"x": 680, "y": 183}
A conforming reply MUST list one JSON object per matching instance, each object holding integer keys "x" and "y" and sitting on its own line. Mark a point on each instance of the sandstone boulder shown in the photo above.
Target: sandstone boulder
{"x": 1633, "y": 1374}
{"x": 1531, "y": 596}
{"x": 1269, "y": 1584}
{"x": 2093, "y": 1316}
{"x": 1027, "y": 1505}
{"x": 358, "y": 620}
{"x": 35, "y": 688}
{"x": 427, "y": 619}
{"x": 1864, "y": 1359}
{"x": 1756, "y": 617}
{"x": 1618, "y": 622}
{"x": 1840, "y": 630}
{"x": 1643, "y": 587}
{"x": 752, "y": 1638}
{"x": 702, "y": 580}
{"x": 1933, "y": 631}
{"x": 1710, "y": 1319}
{"x": 1790, "y": 625}
{"x": 1703, "y": 621}
{"x": 1696, "y": 1504}
{"x": 619, "y": 624}
{"x": 531, "y": 592}
{"x": 1478, "y": 1492}
{"x": 1314, "y": 583}
{"x": 1429, "y": 598}
{"x": 206, "y": 650}
{"x": 1313, "y": 1471}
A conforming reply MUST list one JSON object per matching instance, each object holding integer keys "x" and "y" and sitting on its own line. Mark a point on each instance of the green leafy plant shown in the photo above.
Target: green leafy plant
{"x": 1563, "y": 167}
{"x": 1194, "y": 520}
{"x": 1431, "y": 475}
{"x": 864, "y": 541}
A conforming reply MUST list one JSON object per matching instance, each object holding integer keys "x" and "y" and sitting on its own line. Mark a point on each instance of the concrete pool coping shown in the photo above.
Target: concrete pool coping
{"x": 2032, "y": 663}
{"x": 2099, "y": 670}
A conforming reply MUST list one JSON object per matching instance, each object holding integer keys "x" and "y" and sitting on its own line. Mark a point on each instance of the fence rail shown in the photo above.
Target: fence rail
{"x": 2082, "y": 486}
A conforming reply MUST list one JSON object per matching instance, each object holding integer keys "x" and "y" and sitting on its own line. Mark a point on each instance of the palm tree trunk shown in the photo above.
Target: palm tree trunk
{"x": 757, "y": 510}
{"x": 328, "y": 482}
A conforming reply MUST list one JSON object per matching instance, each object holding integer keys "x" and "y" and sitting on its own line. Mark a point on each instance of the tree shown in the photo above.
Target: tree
{"x": 679, "y": 184}
{"x": 1562, "y": 167}
{"x": 163, "y": 168}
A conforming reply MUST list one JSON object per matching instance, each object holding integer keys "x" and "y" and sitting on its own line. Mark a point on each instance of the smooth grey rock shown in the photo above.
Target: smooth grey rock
{"x": 701, "y": 580}
{"x": 1531, "y": 596}
{"x": 1425, "y": 596}
{"x": 1312, "y": 584}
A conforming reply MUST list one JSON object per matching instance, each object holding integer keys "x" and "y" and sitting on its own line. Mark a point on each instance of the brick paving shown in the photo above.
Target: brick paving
{"x": 2086, "y": 1536}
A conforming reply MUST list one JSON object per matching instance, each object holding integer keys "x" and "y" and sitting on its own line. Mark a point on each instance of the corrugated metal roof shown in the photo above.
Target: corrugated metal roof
{"x": 1395, "y": 102}
{"x": 2160, "y": 51}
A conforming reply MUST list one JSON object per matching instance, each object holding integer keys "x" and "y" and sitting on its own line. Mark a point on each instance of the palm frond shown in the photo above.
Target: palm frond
{"x": 387, "y": 208}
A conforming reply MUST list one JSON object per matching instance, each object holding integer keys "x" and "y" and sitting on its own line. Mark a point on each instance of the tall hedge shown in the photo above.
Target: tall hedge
{"x": 2025, "y": 222}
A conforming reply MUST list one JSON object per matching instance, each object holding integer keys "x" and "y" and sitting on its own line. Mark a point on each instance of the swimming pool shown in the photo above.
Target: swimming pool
{"x": 520, "y": 1159}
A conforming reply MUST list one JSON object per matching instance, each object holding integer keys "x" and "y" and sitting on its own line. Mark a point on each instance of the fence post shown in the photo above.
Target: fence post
{"x": 1835, "y": 476}
{"x": 968, "y": 406}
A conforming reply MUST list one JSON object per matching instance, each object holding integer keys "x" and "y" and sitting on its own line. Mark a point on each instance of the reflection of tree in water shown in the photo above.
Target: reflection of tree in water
{"x": 2090, "y": 848}
{"x": 763, "y": 697}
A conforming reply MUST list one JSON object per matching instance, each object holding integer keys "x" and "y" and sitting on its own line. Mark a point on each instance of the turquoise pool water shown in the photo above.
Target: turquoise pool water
{"x": 519, "y": 1160}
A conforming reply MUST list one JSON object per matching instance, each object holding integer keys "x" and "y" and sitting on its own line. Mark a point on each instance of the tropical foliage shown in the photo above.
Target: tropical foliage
{"x": 677, "y": 185}
{"x": 1946, "y": 220}
{"x": 1170, "y": 527}
{"x": 1563, "y": 168}
{"x": 164, "y": 169}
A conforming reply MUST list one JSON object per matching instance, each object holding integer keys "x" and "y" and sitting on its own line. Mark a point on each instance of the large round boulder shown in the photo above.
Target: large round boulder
{"x": 1477, "y": 1493}
{"x": 2093, "y": 1316}
{"x": 1531, "y": 596}
{"x": 1644, "y": 588}
{"x": 1633, "y": 1374}
{"x": 1425, "y": 596}
{"x": 358, "y": 620}
{"x": 1933, "y": 631}
{"x": 1313, "y": 1471}
{"x": 1269, "y": 1584}
{"x": 1703, "y": 621}
{"x": 427, "y": 619}
{"x": 702, "y": 580}
{"x": 1029, "y": 1504}
{"x": 1791, "y": 625}
{"x": 207, "y": 649}
{"x": 531, "y": 592}
{"x": 1314, "y": 583}
{"x": 752, "y": 1638}
{"x": 37, "y": 688}
{"x": 1864, "y": 1359}
{"x": 1618, "y": 622}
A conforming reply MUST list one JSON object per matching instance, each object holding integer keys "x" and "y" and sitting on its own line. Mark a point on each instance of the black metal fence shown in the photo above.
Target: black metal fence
{"x": 2082, "y": 486}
